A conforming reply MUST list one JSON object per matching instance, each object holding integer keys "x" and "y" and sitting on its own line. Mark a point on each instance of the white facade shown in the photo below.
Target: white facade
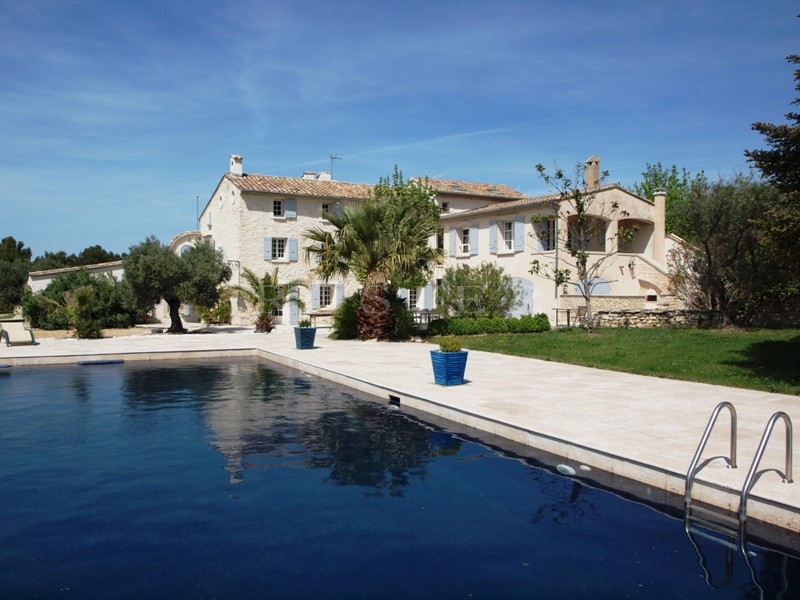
{"x": 259, "y": 221}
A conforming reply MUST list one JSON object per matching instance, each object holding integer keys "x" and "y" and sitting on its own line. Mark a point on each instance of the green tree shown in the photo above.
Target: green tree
{"x": 725, "y": 267}
{"x": 383, "y": 242}
{"x": 94, "y": 255}
{"x": 266, "y": 295}
{"x": 54, "y": 260}
{"x": 110, "y": 305}
{"x": 15, "y": 261}
{"x": 484, "y": 291}
{"x": 154, "y": 272}
{"x": 581, "y": 217}
{"x": 676, "y": 183}
{"x": 779, "y": 225}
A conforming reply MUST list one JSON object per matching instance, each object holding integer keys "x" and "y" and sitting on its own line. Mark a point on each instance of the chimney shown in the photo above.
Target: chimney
{"x": 236, "y": 165}
{"x": 591, "y": 173}
{"x": 659, "y": 225}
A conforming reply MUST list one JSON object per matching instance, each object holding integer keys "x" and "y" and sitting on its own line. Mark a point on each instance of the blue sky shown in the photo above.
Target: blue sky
{"x": 116, "y": 115}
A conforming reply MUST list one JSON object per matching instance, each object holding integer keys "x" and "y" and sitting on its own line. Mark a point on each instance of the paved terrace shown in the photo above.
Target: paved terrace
{"x": 635, "y": 433}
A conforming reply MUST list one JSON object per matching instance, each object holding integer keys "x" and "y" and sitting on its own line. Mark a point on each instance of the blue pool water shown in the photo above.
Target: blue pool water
{"x": 239, "y": 479}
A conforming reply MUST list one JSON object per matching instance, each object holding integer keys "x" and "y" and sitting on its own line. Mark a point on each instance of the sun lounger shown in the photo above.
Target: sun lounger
{"x": 15, "y": 332}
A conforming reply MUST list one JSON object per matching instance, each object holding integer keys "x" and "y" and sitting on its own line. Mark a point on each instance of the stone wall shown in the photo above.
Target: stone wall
{"x": 680, "y": 319}
{"x": 778, "y": 314}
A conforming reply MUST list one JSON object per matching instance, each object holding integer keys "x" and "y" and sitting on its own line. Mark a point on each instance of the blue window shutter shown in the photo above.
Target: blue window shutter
{"x": 290, "y": 208}
{"x": 473, "y": 239}
{"x": 291, "y": 244}
{"x": 452, "y": 241}
{"x": 519, "y": 233}
{"x": 315, "y": 296}
{"x": 294, "y": 312}
{"x": 338, "y": 294}
{"x": 267, "y": 248}
{"x": 427, "y": 297}
{"x": 492, "y": 236}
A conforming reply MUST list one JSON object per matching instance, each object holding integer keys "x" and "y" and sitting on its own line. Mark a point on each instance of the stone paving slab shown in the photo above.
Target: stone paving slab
{"x": 637, "y": 427}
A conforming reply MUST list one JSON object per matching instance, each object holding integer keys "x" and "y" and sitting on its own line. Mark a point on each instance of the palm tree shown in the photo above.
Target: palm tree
{"x": 377, "y": 241}
{"x": 265, "y": 294}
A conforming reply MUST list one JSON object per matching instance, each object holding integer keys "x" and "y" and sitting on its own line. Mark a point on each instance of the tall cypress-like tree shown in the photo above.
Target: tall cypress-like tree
{"x": 779, "y": 163}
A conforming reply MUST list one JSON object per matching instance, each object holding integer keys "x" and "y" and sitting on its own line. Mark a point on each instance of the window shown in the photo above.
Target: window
{"x": 445, "y": 207}
{"x": 325, "y": 295}
{"x": 464, "y": 241}
{"x": 440, "y": 239}
{"x": 507, "y": 229}
{"x": 550, "y": 235}
{"x": 412, "y": 298}
{"x": 278, "y": 248}
{"x": 326, "y": 208}
{"x": 277, "y": 208}
{"x": 277, "y": 311}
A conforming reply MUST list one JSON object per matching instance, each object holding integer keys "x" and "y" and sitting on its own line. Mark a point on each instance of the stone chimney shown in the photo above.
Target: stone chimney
{"x": 659, "y": 225}
{"x": 591, "y": 174}
{"x": 236, "y": 165}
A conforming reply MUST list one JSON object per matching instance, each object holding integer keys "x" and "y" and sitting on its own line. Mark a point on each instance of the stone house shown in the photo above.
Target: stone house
{"x": 258, "y": 222}
{"x": 632, "y": 275}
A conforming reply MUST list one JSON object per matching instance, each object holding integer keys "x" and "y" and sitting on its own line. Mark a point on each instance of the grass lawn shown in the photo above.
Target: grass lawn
{"x": 761, "y": 359}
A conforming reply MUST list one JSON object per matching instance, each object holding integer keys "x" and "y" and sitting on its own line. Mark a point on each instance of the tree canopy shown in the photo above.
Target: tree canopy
{"x": 779, "y": 163}
{"x": 676, "y": 183}
{"x": 154, "y": 272}
{"x": 725, "y": 267}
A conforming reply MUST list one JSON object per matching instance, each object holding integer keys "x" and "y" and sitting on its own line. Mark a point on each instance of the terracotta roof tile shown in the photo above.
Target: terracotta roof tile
{"x": 466, "y": 188}
{"x": 512, "y": 206}
{"x": 295, "y": 186}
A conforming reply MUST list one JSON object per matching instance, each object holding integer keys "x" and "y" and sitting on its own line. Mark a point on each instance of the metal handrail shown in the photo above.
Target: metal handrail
{"x": 690, "y": 474}
{"x": 787, "y": 475}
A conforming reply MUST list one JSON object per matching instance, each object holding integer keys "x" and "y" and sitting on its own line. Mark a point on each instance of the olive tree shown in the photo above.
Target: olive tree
{"x": 154, "y": 272}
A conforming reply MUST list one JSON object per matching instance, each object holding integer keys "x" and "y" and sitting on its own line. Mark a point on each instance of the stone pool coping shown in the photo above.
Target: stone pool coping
{"x": 636, "y": 433}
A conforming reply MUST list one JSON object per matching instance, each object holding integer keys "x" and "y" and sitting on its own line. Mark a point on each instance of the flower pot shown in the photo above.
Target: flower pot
{"x": 304, "y": 337}
{"x": 449, "y": 367}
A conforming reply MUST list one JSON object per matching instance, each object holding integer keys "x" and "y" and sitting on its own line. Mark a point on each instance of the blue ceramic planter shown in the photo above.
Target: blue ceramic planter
{"x": 304, "y": 337}
{"x": 449, "y": 367}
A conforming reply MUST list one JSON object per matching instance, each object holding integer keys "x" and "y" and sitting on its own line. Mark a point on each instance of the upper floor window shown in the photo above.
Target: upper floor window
{"x": 549, "y": 234}
{"x": 445, "y": 207}
{"x": 277, "y": 208}
{"x": 326, "y": 208}
{"x": 508, "y": 235}
{"x": 464, "y": 248}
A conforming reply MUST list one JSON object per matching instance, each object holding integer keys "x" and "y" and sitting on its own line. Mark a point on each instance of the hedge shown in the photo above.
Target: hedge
{"x": 472, "y": 325}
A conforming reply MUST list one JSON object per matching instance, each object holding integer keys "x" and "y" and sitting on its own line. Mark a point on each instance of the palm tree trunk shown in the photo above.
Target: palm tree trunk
{"x": 374, "y": 316}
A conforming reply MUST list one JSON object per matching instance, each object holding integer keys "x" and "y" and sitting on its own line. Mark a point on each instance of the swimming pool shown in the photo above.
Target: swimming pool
{"x": 243, "y": 479}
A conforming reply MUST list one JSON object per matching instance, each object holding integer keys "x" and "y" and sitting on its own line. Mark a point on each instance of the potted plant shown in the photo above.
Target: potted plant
{"x": 449, "y": 361}
{"x": 304, "y": 335}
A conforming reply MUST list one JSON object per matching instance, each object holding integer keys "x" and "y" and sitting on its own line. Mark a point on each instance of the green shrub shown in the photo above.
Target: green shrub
{"x": 344, "y": 318}
{"x": 438, "y": 327}
{"x": 450, "y": 343}
{"x": 472, "y": 326}
{"x": 110, "y": 306}
{"x": 219, "y": 313}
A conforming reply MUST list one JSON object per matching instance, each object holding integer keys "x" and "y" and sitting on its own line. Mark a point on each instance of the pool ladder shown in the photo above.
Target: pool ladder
{"x": 734, "y": 527}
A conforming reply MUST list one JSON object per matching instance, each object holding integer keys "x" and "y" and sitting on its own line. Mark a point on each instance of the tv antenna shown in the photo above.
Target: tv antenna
{"x": 333, "y": 158}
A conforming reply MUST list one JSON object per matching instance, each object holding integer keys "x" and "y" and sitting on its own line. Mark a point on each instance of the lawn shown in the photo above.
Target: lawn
{"x": 761, "y": 359}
